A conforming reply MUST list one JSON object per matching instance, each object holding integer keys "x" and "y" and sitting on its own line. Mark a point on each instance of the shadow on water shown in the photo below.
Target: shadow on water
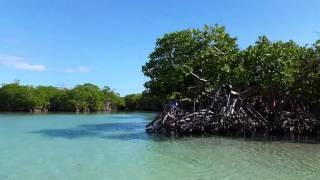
{"x": 67, "y": 133}
{"x": 115, "y": 131}
{"x": 127, "y": 131}
{"x": 111, "y": 127}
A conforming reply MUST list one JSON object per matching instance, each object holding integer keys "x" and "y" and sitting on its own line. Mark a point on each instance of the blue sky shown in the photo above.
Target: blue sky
{"x": 68, "y": 42}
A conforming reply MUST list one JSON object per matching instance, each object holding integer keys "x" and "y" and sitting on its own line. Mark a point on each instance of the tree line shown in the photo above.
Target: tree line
{"x": 82, "y": 98}
{"x": 185, "y": 63}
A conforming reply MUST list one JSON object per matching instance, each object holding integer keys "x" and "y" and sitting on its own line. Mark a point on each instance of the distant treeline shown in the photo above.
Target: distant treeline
{"x": 143, "y": 102}
{"x": 186, "y": 63}
{"x": 82, "y": 98}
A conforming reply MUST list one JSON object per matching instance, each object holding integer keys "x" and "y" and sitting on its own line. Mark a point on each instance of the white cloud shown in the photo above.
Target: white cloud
{"x": 80, "y": 69}
{"x": 20, "y": 63}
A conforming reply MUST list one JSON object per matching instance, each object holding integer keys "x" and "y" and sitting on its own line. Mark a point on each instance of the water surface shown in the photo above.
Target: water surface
{"x": 115, "y": 146}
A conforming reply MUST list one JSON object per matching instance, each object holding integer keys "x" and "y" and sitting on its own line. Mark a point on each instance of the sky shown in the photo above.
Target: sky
{"x": 68, "y": 42}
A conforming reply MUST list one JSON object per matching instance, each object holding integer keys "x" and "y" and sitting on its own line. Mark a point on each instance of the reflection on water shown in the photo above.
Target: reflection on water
{"x": 115, "y": 146}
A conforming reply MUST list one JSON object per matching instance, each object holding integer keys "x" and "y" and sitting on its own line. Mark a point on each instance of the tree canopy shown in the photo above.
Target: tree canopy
{"x": 210, "y": 53}
{"x": 86, "y": 97}
{"x": 186, "y": 62}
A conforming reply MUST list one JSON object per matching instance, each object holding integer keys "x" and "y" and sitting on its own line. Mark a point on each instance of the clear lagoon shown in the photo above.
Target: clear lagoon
{"x": 115, "y": 146}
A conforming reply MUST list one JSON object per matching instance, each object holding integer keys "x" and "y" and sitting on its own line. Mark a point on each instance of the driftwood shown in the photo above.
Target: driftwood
{"x": 228, "y": 113}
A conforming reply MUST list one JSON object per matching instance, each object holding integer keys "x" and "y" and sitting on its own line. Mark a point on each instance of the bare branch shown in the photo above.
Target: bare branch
{"x": 191, "y": 72}
{"x": 218, "y": 50}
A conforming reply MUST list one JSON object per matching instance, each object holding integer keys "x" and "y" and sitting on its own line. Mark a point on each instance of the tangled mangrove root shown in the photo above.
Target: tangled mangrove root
{"x": 228, "y": 113}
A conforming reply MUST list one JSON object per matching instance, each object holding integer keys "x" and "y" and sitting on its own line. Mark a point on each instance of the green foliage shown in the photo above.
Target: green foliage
{"x": 61, "y": 101}
{"x": 132, "y": 101}
{"x": 271, "y": 65}
{"x": 16, "y": 97}
{"x": 210, "y": 53}
{"x": 86, "y": 97}
{"x": 114, "y": 97}
{"x": 282, "y": 68}
{"x": 270, "y": 68}
{"x": 142, "y": 102}
{"x": 45, "y": 95}
{"x": 307, "y": 78}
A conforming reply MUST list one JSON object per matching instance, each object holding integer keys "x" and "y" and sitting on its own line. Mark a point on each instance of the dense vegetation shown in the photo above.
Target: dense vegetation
{"x": 82, "y": 98}
{"x": 183, "y": 60}
{"x": 142, "y": 102}
{"x": 269, "y": 88}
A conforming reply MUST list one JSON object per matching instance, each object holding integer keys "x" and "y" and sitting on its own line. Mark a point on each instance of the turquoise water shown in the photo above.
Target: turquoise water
{"x": 115, "y": 146}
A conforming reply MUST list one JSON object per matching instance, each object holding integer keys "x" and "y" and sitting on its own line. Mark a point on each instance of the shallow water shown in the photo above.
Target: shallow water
{"x": 115, "y": 146}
